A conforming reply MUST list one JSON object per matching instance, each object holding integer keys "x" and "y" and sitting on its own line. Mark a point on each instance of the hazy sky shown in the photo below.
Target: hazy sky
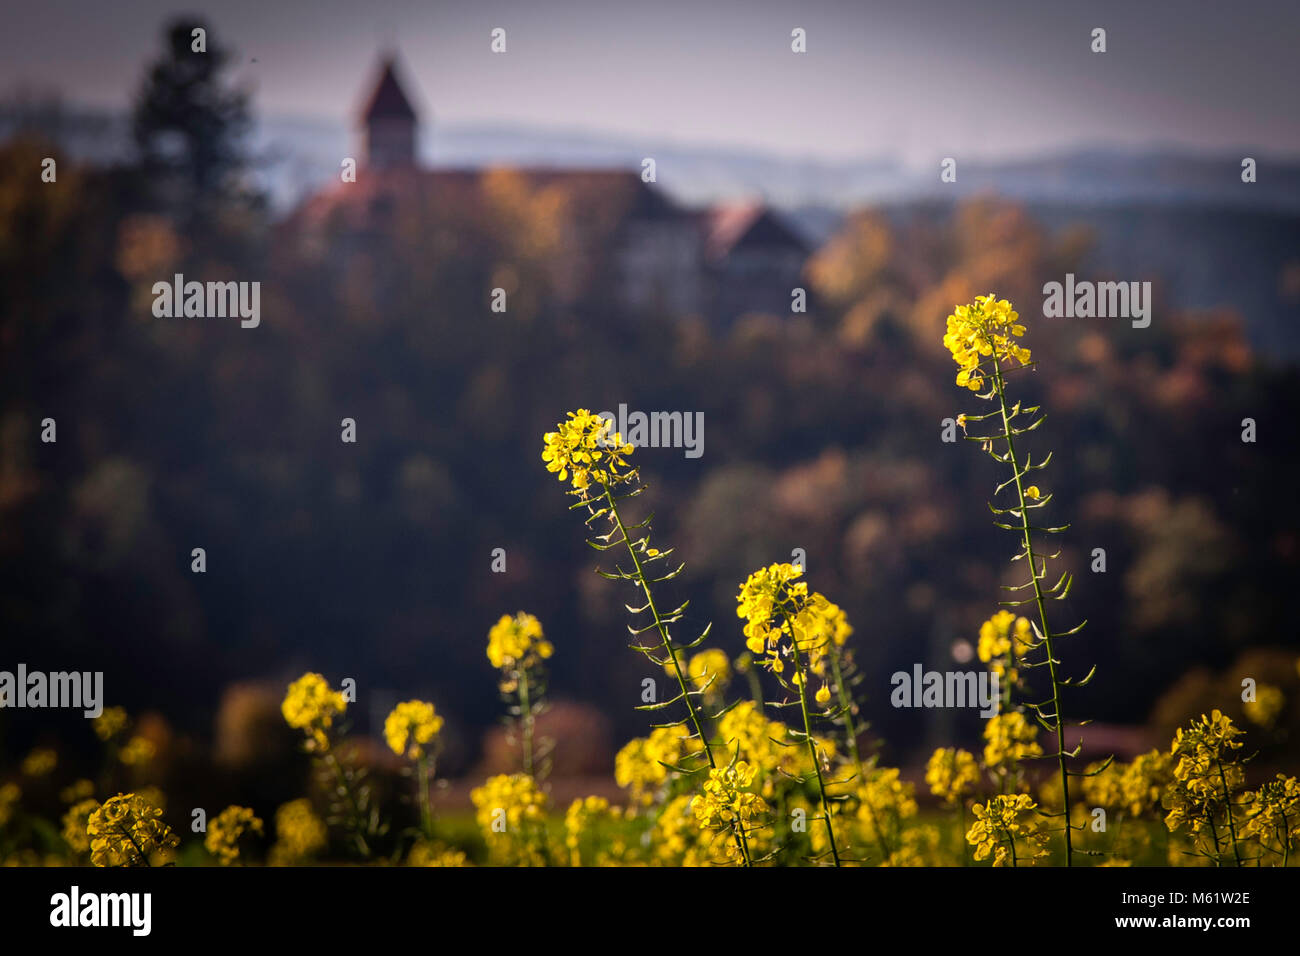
{"x": 918, "y": 80}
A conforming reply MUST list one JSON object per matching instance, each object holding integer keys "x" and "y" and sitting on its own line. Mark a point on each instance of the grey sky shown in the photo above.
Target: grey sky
{"x": 917, "y": 80}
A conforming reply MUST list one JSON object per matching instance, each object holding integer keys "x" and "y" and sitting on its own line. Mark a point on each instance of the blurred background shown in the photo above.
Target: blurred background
{"x": 524, "y": 171}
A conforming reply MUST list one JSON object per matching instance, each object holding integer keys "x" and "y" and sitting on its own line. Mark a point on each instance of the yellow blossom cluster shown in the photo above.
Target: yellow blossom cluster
{"x": 987, "y": 328}
{"x": 310, "y": 705}
{"x": 586, "y": 448}
{"x": 1268, "y": 704}
{"x": 708, "y": 671}
{"x": 1205, "y": 773}
{"x": 885, "y": 801}
{"x": 783, "y": 619}
{"x": 424, "y": 853}
{"x": 40, "y": 762}
{"x": 411, "y": 727}
{"x": 517, "y": 642}
{"x": 226, "y": 830}
{"x": 639, "y": 767}
{"x": 726, "y": 802}
{"x": 511, "y": 813}
{"x": 10, "y": 794}
{"x": 1272, "y": 815}
{"x": 137, "y": 751}
{"x": 75, "y": 821}
{"x": 299, "y": 833}
{"x": 129, "y": 831}
{"x": 1008, "y": 739}
{"x": 1006, "y": 828}
{"x": 110, "y": 723}
{"x": 585, "y": 816}
{"x": 995, "y": 643}
{"x": 953, "y": 774}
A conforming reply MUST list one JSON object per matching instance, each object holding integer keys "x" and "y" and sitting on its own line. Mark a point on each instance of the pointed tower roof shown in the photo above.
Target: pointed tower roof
{"x": 388, "y": 101}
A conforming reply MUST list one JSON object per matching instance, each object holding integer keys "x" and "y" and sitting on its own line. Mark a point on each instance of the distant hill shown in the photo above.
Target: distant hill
{"x": 300, "y": 153}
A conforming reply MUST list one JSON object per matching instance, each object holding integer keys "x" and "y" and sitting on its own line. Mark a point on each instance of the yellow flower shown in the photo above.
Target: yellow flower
{"x": 75, "y": 821}
{"x": 299, "y": 832}
{"x": 584, "y": 816}
{"x": 138, "y": 750}
{"x": 1008, "y": 739}
{"x": 586, "y": 446}
{"x": 10, "y": 794}
{"x": 823, "y": 694}
{"x": 1264, "y": 709}
{"x": 987, "y": 328}
{"x": 511, "y": 812}
{"x": 224, "y": 833}
{"x": 952, "y": 774}
{"x": 1033, "y": 492}
{"x": 884, "y": 801}
{"x": 726, "y": 801}
{"x": 128, "y": 831}
{"x": 1000, "y": 823}
{"x": 40, "y": 762}
{"x": 1143, "y": 781}
{"x": 411, "y": 726}
{"x": 1273, "y": 815}
{"x": 1206, "y": 775}
{"x": 639, "y": 766}
{"x": 782, "y": 617}
{"x": 1104, "y": 788}
{"x": 424, "y": 853}
{"x": 310, "y": 705}
{"x": 675, "y": 837}
{"x": 110, "y": 723}
{"x": 709, "y": 671}
{"x": 517, "y": 642}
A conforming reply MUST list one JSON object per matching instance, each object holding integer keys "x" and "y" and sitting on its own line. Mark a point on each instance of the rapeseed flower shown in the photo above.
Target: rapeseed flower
{"x": 987, "y": 328}
{"x": 586, "y": 448}
{"x": 310, "y": 705}
{"x": 226, "y": 830}
{"x": 411, "y": 727}
{"x": 1000, "y": 823}
{"x": 518, "y": 641}
{"x": 953, "y": 774}
{"x": 129, "y": 831}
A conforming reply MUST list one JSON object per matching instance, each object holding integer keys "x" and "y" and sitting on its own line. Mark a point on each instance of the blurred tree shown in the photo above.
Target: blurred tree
{"x": 189, "y": 125}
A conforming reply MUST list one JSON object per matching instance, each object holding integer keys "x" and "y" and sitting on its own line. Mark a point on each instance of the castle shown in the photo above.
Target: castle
{"x": 720, "y": 262}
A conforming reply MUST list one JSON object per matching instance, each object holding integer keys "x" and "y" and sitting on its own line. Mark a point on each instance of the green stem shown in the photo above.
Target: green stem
{"x": 345, "y": 787}
{"x": 1042, "y": 610}
{"x": 846, "y": 706}
{"x": 426, "y": 810}
{"x": 1227, "y": 804}
{"x": 808, "y": 736}
{"x": 525, "y": 720}
{"x": 737, "y": 829}
{"x": 1214, "y": 832}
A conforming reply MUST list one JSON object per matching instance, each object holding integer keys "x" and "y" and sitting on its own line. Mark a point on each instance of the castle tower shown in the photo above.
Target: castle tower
{"x": 389, "y": 122}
